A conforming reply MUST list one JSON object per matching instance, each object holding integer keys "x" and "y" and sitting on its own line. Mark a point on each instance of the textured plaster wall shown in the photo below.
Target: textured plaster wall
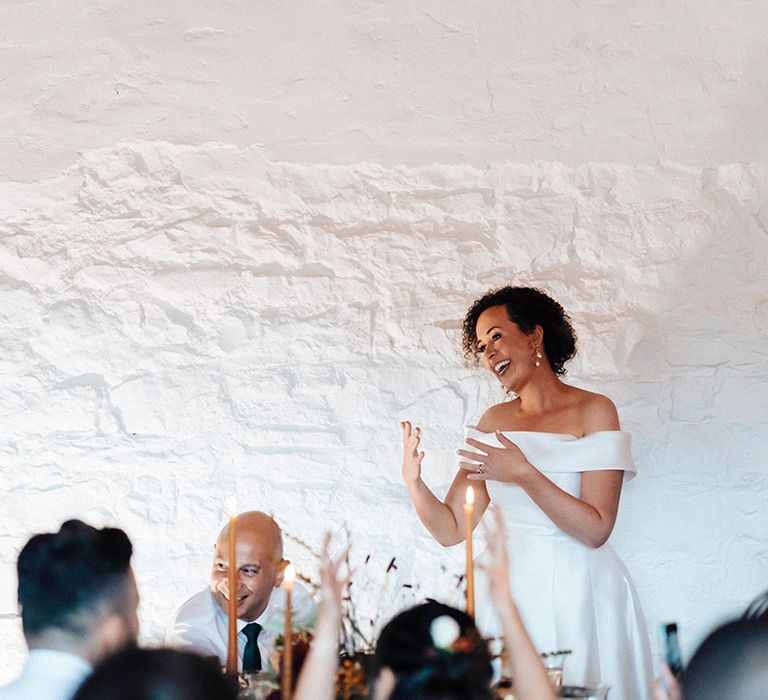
{"x": 237, "y": 241}
{"x": 398, "y": 81}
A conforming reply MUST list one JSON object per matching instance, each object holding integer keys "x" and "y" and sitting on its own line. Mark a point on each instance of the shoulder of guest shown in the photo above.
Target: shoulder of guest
{"x": 200, "y": 604}
{"x": 197, "y": 625}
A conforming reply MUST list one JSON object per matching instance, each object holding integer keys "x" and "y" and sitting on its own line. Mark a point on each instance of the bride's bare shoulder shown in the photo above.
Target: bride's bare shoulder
{"x": 498, "y": 414}
{"x": 597, "y": 412}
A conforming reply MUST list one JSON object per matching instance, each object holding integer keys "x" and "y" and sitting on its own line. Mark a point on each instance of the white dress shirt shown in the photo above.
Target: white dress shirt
{"x": 48, "y": 675}
{"x": 200, "y": 625}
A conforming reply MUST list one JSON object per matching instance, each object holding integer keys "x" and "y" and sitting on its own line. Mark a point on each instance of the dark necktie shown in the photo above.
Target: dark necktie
{"x": 251, "y": 654}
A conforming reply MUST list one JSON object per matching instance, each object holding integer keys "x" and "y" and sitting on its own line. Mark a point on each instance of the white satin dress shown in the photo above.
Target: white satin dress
{"x": 571, "y": 596}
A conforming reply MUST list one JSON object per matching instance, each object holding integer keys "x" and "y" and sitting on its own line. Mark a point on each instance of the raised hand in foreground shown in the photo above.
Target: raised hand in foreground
{"x": 667, "y": 687}
{"x": 528, "y": 673}
{"x": 317, "y": 680}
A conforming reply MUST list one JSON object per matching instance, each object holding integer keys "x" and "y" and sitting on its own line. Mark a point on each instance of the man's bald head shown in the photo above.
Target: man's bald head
{"x": 259, "y": 547}
{"x": 255, "y": 526}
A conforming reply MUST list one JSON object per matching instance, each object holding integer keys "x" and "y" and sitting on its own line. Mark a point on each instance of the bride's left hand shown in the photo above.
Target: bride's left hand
{"x": 506, "y": 463}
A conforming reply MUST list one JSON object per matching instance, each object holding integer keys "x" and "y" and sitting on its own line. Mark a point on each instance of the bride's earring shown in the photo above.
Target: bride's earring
{"x": 538, "y": 357}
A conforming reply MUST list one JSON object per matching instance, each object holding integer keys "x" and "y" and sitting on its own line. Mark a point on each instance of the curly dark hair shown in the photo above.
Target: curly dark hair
{"x": 423, "y": 671}
{"x": 527, "y": 307}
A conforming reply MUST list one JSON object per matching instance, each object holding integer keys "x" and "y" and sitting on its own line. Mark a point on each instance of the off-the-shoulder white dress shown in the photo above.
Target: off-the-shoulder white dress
{"x": 571, "y": 596}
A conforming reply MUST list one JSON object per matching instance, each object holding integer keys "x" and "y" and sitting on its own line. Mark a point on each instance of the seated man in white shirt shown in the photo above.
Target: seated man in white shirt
{"x": 78, "y": 602}
{"x": 201, "y": 622}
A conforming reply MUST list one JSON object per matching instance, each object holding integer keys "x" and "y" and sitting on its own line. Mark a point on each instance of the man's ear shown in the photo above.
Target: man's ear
{"x": 281, "y": 572}
{"x": 385, "y": 683}
{"x": 113, "y": 634}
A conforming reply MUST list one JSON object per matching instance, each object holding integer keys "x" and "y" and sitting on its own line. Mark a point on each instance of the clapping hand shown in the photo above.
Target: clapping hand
{"x": 531, "y": 679}
{"x": 667, "y": 687}
{"x": 497, "y": 569}
{"x": 332, "y": 583}
{"x": 317, "y": 680}
{"x": 506, "y": 463}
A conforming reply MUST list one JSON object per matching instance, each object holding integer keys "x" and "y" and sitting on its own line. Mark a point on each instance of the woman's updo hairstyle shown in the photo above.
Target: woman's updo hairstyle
{"x": 436, "y": 653}
{"x": 528, "y": 307}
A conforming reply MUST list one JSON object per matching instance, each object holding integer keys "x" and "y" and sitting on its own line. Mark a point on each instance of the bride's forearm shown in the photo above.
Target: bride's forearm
{"x": 584, "y": 521}
{"x": 437, "y": 517}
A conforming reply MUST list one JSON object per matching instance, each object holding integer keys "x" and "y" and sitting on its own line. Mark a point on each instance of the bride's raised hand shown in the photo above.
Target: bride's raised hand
{"x": 411, "y": 455}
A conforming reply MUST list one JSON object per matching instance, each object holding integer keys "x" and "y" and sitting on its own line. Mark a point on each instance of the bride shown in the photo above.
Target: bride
{"x": 556, "y": 458}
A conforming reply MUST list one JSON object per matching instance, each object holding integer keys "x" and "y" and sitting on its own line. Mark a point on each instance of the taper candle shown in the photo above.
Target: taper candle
{"x": 469, "y": 507}
{"x": 286, "y": 677}
{"x": 232, "y": 650}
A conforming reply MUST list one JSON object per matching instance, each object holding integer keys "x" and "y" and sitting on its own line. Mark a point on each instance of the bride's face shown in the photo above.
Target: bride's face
{"x": 507, "y": 352}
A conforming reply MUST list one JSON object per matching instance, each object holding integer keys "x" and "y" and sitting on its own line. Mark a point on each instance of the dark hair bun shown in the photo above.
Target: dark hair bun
{"x": 460, "y": 669}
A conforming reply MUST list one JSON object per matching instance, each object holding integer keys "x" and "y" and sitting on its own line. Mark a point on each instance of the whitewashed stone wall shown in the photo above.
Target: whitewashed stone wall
{"x": 181, "y": 322}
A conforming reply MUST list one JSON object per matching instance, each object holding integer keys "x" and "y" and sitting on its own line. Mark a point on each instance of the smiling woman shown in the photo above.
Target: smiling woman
{"x": 526, "y": 308}
{"x": 555, "y": 457}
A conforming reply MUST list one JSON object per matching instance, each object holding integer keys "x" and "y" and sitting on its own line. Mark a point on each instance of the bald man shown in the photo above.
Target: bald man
{"x": 200, "y": 624}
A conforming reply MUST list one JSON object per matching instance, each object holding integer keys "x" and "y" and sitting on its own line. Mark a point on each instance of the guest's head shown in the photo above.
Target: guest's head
{"x": 536, "y": 315}
{"x": 732, "y": 662}
{"x": 156, "y": 674}
{"x": 432, "y": 652}
{"x": 259, "y": 564}
{"x": 77, "y": 591}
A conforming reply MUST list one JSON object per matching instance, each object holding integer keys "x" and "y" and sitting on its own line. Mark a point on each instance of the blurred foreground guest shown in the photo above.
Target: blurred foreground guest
{"x": 78, "y": 602}
{"x": 200, "y": 625}
{"x": 431, "y": 650}
{"x": 156, "y": 674}
{"x": 732, "y": 662}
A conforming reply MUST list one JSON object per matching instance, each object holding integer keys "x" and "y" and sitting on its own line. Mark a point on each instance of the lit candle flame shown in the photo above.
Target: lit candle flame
{"x": 289, "y": 576}
{"x": 232, "y": 505}
{"x": 470, "y": 496}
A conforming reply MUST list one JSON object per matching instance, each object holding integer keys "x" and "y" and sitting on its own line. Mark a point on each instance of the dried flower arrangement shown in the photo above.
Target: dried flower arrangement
{"x": 375, "y": 593}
